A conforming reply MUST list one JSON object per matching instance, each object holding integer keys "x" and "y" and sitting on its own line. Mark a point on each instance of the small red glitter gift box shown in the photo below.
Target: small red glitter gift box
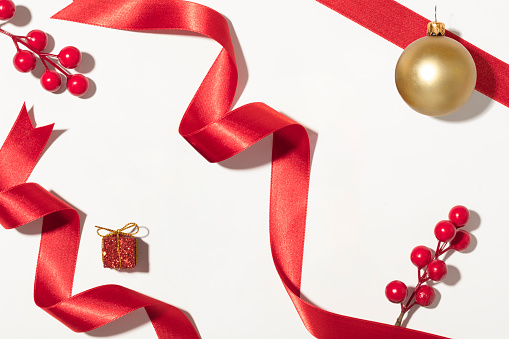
{"x": 119, "y": 248}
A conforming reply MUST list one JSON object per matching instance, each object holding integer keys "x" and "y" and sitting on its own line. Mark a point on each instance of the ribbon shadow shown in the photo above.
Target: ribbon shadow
{"x": 55, "y": 134}
{"x": 129, "y": 322}
{"x": 124, "y": 324}
{"x": 34, "y": 228}
{"x": 260, "y": 153}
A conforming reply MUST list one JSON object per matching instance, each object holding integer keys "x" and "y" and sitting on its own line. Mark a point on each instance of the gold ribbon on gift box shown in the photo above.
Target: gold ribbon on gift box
{"x": 117, "y": 233}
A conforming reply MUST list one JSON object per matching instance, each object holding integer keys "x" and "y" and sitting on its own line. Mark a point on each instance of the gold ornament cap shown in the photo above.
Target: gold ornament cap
{"x": 436, "y": 28}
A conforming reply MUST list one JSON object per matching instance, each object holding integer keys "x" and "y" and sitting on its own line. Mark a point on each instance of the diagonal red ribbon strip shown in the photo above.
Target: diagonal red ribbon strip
{"x": 378, "y": 15}
{"x": 217, "y": 134}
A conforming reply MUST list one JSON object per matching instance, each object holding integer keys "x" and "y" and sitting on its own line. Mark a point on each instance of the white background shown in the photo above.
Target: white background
{"x": 382, "y": 175}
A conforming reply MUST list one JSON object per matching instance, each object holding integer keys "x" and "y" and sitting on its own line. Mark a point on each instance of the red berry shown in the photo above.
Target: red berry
{"x": 77, "y": 85}
{"x": 24, "y": 61}
{"x": 37, "y": 39}
{"x": 51, "y": 81}
{"x": 437, "y": 270}
{"x": 396, "y": 291}
{"x": 445, "y": 231}
{"x": 425, "y": 295}
{"x": 7, "y": 9}
{"x": 459, "y": 215}
{"x": 69, "y": 57}
{"x": 461, "y": 240}
{"x": 420, "y": 256}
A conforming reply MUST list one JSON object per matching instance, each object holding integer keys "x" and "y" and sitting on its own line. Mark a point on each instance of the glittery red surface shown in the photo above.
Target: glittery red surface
{"x": 127, "y": 251}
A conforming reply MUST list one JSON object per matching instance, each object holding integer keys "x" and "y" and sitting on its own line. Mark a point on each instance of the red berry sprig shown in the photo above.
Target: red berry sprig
{"x": 36, "y": 41}
{"x": 429, "y": 266}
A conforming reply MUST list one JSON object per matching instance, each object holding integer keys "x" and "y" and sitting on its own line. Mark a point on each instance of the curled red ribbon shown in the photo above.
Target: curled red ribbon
{"x": 21, "y": 203}
{"x": 217, "y": 134}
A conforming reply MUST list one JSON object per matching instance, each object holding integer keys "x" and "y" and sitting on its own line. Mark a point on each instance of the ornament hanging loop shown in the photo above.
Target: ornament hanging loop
{"x": 436, "y": 28}
{"x": 435, "y": 75}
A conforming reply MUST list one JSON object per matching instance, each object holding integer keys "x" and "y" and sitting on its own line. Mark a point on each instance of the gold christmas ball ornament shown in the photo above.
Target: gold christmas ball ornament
{"x": 435, "y": 75}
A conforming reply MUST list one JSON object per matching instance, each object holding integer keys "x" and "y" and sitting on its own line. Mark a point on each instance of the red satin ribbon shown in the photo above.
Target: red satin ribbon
{"x": 22, "y": 148}
{"x": 217, "y": 134}
{"x": 21, "y": 203}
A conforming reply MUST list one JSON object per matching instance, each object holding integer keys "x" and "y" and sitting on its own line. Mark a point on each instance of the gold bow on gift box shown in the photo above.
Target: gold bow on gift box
{"x": 125, "y": 244}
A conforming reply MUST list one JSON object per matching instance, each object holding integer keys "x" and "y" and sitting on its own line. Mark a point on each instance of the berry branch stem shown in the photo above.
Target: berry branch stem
{"x": 400, "y": 319}
{"x": 6, "y": 33}
{"x": 429, "y": 266}
{"x": 411, "y": 301}
{"x": 54, "y": 64}
{"x": 18, "y": 39}
{"x": 35, "y": 42}
{"x": 43, "y": 56}
{"x": 422, "y": 278}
